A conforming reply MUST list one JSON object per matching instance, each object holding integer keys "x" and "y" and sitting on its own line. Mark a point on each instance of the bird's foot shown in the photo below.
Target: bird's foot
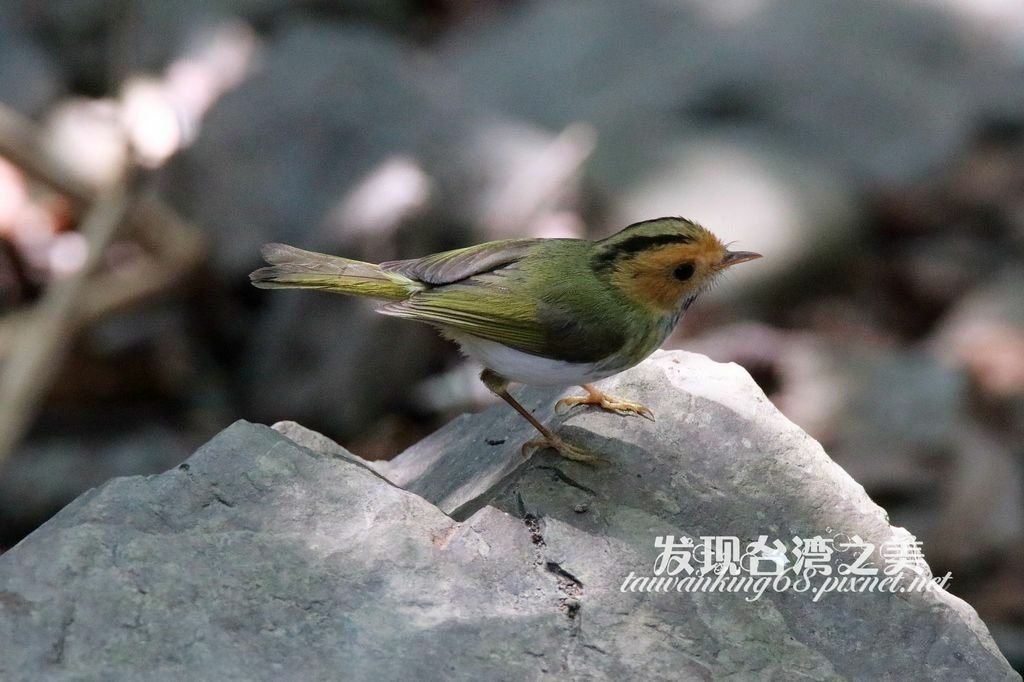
{"x": 573, "y": 452}
{"x": 605, "y": 401}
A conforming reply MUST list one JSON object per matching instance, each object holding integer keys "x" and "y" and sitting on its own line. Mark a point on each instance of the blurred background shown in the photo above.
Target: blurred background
{"x": 873, "y": 151}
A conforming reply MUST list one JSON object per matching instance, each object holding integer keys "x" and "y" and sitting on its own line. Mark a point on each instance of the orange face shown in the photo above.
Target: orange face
{"x": 661, "y": 278}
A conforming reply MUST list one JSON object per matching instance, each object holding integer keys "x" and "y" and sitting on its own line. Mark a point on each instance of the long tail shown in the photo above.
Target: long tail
{"x": 292, "y": 268}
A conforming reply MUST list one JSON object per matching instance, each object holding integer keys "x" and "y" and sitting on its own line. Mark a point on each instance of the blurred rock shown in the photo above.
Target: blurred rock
{"x": 874, "y": 92}
{"x": 334, "y": 362}
{"x": 30, "y": 80}
{"x": 984, "y": 334}
{"x": 303, "y": 160}
{"x": 923, "y": 277}
{"x": 321, "y": 565}
{"x": 98, "y": 42}
{"x": 753, "y": 194}
{"x": 278, "y": 158}
{"x": 525, "y": 181}
{"x": 375, "y": 148}
{"x": 765, "y": 121}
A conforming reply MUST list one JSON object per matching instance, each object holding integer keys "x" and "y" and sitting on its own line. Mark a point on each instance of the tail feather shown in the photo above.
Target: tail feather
{"x": 292, "y": 268}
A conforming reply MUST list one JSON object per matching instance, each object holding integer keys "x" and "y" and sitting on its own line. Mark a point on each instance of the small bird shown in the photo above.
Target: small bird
{"x": 544, "y": 312}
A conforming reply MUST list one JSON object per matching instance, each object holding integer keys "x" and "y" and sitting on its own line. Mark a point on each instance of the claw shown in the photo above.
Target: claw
{"x": 499, "y": 386}
{"x": 567, "y": 403}
{"x": 573, "y": 452}
{"x": 606, "y": 402}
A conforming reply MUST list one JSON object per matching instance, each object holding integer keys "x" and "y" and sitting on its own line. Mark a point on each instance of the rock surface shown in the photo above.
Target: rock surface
{"x": 276, "y": 555}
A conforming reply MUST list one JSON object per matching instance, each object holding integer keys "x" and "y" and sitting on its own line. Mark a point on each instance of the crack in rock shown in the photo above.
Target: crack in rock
{"x": 57, "y": 652}
{"x": 568, "y": 480}
{"x": 568, "y": 584}
{"x": 211, "y": 488}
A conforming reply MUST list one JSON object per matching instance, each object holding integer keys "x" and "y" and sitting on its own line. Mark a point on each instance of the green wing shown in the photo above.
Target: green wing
{"x": 474, "y": 290}
{"x": 481, "y": 312}
{"x": 485, "y": 305}
{"x": 498, "y": 292}
{"x": 449, "y": 267}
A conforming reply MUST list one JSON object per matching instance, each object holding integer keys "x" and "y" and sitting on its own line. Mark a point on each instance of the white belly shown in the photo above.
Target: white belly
{"x": 530, "y": 369}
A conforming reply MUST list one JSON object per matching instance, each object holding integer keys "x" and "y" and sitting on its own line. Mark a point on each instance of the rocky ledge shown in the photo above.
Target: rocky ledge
{"x": 275, "y": 554}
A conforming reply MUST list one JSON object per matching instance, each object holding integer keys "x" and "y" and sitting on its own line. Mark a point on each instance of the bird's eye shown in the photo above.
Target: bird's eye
{"x": 683, "y": 272}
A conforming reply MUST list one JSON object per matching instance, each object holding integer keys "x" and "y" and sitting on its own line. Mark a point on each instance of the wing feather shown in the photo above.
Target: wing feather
{"x": 488, "y": 312}
{"x": 449, "y": 267}
{"x": 491, "y": 291}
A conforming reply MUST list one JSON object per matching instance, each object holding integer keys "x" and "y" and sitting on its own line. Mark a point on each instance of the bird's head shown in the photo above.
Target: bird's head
{"x": 663, "y": 264}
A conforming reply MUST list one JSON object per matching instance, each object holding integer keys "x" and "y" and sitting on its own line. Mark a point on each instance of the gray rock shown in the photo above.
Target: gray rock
{"x": 903, "y": 425}
{"x": 266, "y": 557}
{"x": 258, "y": 559}
{"x": 48, "y": 470}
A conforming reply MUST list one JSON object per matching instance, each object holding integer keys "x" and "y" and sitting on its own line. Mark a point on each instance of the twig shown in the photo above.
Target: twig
{"x": 20, "y": 144}
{"x": 34, "y": 358}
{"x": 33, "y": 343}
{"x": 175, "y": 248}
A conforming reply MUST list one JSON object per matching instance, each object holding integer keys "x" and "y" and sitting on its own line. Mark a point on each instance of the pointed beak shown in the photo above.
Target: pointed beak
{"x": 733, "y": 257}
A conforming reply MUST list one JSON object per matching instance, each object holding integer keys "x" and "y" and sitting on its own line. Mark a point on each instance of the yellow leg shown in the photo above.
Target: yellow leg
{"x": 608, "y": 402}
{"x": 498, "y": 385}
